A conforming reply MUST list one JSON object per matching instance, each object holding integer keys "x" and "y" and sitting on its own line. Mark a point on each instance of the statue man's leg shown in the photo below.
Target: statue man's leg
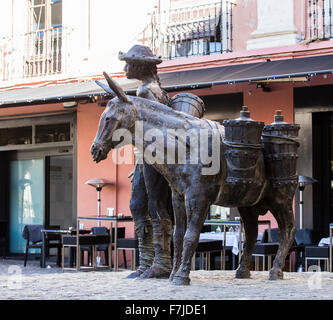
{"x": 142, "y": 222}
{"x": 157, "y": 191}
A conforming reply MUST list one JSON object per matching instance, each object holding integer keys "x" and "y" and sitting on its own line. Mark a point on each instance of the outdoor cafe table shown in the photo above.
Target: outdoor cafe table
{"x": 240, "y": 225}
{"x": 111, "y": 220}
{"x": 46, "y": 232}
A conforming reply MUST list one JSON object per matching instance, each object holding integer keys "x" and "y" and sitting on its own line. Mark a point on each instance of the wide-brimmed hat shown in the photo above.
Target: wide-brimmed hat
{"x": 139, "y": 53}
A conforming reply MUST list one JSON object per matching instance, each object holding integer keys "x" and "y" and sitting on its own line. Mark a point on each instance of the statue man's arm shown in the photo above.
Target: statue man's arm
{"x": 147, "y": 94}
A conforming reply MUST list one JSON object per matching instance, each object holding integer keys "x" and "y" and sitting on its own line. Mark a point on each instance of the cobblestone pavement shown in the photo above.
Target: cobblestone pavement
{"x": 32, "y": 282}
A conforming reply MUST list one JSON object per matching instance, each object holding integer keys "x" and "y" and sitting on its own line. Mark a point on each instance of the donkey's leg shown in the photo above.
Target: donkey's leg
{"x": 157, "y": 191}
{"x": 282, "y": 210}
{"x": 197, "y": 207}
{"x": 179, "y": 231}
{"x": 250, "y": 219}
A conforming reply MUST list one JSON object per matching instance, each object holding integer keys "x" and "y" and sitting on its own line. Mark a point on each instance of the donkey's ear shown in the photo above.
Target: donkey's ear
{"x": 116, "y": 88}
{"x": 105, "y": 88}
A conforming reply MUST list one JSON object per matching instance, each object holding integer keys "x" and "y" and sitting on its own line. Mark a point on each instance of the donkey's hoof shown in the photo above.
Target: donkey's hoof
{"x": 275, "y": 274}
{"x": 155, "y": 272}
{"x": 135, "y": 274}
{"x": 243, "y": 273}
{"x": 181, "y": 281}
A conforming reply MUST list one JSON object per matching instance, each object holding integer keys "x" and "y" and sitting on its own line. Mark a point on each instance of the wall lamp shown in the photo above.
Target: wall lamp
{"x": 70, "y": 104}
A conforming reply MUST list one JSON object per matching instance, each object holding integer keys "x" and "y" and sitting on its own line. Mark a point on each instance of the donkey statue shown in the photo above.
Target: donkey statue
{"x": 254, "y": 184}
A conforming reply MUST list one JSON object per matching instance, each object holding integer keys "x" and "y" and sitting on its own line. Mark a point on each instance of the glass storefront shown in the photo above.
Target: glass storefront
{"x": 26, "y": 203}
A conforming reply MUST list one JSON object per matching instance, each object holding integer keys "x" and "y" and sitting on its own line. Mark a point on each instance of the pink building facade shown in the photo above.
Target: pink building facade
{"x": 236, "y": 34}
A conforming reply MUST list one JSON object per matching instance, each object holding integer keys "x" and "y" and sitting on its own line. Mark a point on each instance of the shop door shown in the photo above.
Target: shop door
{"x": 323, "y": 172}
{"x": 59, "y": 191}
{"x": 26, "y": 199}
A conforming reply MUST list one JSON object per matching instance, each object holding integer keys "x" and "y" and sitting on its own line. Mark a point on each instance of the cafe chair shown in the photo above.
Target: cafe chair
{"x": 72, "y": 242}
{"x": 303, "y": 238}
{"x": 204, "y": 249}
{"x": 32, "y": 233}
{"x": 131, "y": 244}
{"x": 318, "y": 253}
{"x": 268, "y": 248}
{"x": 104, "y": 247}
{"x": 100, "y": 247}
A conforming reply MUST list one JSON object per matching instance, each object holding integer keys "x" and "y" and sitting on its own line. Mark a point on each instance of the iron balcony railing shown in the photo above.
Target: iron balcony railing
{"x": 193, "y": 31}
{"x": 320, "y": 19}
{"x": 33, "y": 54}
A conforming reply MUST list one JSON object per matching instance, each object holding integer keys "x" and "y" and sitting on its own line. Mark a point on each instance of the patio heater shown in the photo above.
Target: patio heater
{"x": 303, "y": 181}
{"x": 98, "y": 184}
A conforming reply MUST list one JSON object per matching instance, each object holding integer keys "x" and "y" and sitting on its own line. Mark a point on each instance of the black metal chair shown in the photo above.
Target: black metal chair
{"x": 317, "y": 253}
{"x": 131, "y": 244}
{"x": 73, "y": 242}
{"x": 104, "y": 247}
{"x": 303, "y": 238}
{"x": 268, "y": 248}
{"x": 32, "y": 233}
{"x": 204, "y": 249}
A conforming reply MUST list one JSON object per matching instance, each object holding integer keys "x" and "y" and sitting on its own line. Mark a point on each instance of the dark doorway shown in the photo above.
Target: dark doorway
{"x": 59, "y": 191}
{"x": 322, "y": 171}
{"x": 314, "y": 111}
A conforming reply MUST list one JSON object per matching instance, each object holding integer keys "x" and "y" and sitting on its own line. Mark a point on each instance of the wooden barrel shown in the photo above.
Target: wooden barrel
{"x": 188, "y": 103}
{"x": 280, "y": 150}
{"x": 244, "y": 160}
{"x": 244, "y": 130}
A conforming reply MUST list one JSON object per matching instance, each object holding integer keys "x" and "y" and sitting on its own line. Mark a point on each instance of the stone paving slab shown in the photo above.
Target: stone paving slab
{"x": 34, "y": 283}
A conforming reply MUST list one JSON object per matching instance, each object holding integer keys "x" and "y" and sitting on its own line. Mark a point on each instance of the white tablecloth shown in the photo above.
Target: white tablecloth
{"x": 231, "y": 239}
{"x": 324, "y": 242}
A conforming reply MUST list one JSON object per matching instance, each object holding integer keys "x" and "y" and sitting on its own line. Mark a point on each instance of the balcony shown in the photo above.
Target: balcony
{"x": 320, "y": 19}
{"x": 193, "y": 31}
{"x": 34, "y": 54}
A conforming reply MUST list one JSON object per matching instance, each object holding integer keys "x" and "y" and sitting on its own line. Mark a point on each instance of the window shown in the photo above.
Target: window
{"x": 53, "y": 133}
{"x": 37, "y": 132}
{"x": 44, "y": 41}
{"x": 15, "y": 136}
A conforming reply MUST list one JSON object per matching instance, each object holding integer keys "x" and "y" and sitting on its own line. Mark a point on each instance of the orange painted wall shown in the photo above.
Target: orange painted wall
{"x": 25, "y": 110}
{"x": 116, "y": 195}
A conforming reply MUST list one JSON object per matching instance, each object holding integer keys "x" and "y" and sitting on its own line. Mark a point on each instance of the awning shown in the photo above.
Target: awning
{"x": 260, "y": 71}
{"x": 177, "y": 81}
{"x": 58, "y": 93}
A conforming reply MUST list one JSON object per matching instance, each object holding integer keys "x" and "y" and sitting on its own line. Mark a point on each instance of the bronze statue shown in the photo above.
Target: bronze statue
{"x": 252, "y": 176}
{"x": 148, "y": 207}
{"x": 150, "y": 203}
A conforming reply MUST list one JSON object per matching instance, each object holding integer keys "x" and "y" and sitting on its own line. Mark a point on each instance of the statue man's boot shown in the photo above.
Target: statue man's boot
{"x": 161, "y": 267}
{"x": 144, "y": 232}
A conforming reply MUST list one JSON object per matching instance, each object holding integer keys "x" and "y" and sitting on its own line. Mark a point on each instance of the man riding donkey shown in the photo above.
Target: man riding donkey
{"x": 150, "y": 203}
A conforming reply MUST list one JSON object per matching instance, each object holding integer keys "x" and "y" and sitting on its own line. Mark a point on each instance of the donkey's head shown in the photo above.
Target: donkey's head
{"x": 119, "y": 114}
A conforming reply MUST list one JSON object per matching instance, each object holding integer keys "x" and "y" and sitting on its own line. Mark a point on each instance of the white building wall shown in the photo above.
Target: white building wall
{"x": 275, "y": 25}
{"x": 113, "y": 26}
{"x": 6, "y": 18}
